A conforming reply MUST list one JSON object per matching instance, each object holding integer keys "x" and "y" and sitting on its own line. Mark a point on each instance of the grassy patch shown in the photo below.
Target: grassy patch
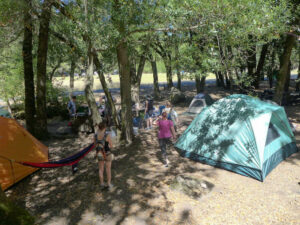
{"x": 147, "y": 78}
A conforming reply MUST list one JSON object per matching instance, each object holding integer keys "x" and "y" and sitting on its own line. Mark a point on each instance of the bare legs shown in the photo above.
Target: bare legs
{"x": 108, "y": 172}
{"x": 101, "y": 170}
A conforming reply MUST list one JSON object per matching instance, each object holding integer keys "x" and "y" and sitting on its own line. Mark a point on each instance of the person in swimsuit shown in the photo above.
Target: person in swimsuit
{"x": 103, "y": 143}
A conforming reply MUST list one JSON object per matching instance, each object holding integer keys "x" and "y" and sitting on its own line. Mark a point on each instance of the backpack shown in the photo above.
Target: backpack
{"x": 103, "y": 142}
{"x": 150, "y": 104}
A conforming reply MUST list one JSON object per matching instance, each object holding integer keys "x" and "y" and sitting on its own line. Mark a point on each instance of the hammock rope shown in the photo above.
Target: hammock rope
{"x": 71, "y": 160}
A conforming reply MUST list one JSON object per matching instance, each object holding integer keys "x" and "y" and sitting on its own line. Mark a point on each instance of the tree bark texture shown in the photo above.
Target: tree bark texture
{"x": 53, "y": 71}
{"x": 283, "y": 72}
{"x": 28, "y": 70}
{"x": 298, "y": 78}
{"x": 271, "y": 69}
{"x": 168, "y": 64}
{"x": 125, "y": 86}
{"x": 155, "y": 78}
{"x": 288, "y": 78}
{"x": 96, "y": 118}
{"x": 177, "y": 66}
{"x": 260, "y": 65}
{"x": 251, "y": 59}
{"x": 221, "y": 79}
{"x": 200, "y": 84}
{"x": 111, "y": 103}
{"x": 136, "y": 79}
{"x": 72, "y": 71}
{"x": 41, "y": 112}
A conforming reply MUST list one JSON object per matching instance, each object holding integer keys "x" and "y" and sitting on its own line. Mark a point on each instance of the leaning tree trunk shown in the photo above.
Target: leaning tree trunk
{"x": 41, "y": 112}
{"x": 28, "y": 70}
{"x": 177, "y": 67}
{"x": 155, "y": 78}
{"x": 251, "y": 59}
{"x": 260, "y": 65}
{"x": 283, "y": 72}
{"x": 200, "y": 84}
{"x": 221, "y": 79}
{"x": 53, "y": 71}
{"x": 72, "y": 71}
{"x": 298, "y": 78}
{"x": 111, "y": 103}
{"x": 288, "y": 78}
{"x": 136, "y": 80}
{"x": 11, "y": 213}
{"x": 125, "y": 86}
{"x": 96, "y": 118}
{"x": 271, "y": 69}
{"x": 168, "y": 65}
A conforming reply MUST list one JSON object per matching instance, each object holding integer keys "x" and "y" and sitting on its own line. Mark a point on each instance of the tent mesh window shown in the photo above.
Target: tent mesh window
{"x": 272, "y": 134}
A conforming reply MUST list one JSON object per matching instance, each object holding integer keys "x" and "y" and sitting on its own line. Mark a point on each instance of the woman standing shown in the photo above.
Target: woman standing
{"x": 103, "y": 143}
{"x": 166, "y": 131}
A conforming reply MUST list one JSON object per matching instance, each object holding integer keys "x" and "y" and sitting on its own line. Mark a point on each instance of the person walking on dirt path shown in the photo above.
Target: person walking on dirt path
{"x": 149, "y": 108}
{"x": 103, "y": 143}
{"x": 171, "y": 114}
{"x": 72, "y": 107}
{"x": 166, "y": 131}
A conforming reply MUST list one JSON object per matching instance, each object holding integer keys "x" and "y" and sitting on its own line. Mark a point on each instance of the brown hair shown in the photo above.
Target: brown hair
{"x": 102, "y": 125}
{"x": 169, "y": 104}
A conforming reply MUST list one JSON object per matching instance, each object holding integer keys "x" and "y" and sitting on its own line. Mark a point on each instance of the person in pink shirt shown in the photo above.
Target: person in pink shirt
{"x": 166, "y": 131}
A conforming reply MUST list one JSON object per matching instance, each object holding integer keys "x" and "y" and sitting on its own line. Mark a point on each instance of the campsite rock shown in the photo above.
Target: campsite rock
{"x": 82, "y": 124}
{"x": 176, "y": 96}
{"x": 189, "y": 186}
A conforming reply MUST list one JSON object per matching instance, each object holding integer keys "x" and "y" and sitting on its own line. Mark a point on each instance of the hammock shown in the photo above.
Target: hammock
{"x": 63, "y": 162}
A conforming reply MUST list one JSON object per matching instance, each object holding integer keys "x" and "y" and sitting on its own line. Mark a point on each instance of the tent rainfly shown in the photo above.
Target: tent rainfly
{"x": 241, "y": 134}
{"x": 17, "y": 144}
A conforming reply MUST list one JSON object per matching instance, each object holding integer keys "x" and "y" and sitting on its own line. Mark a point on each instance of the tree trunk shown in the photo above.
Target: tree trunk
{"x": 96, "y": 118}
{"x": 228, "y": 83}
{"x": 260, "y": 65}
{"x": 136, "y": 80}
{"x": 283, "y": 72}
{"x": 168, "y": 65}
{"x": 288, "y": 78}
{"x": 155, "y": 78}
{"x": 200, "y": 84}
{"x": 11, "y": 213}
{"x": 41, "y": 120}
{"x": 111, "y": 103}
{"x": 72, "y": 71}
{"x": 251, "y": 59}
{"x": 298, "y": 78}
{"x": 177, "y": 67}
{"x": 9, "y": 108}
{"x": 221, "y": 78}
{"x": 271, "y": 69}
{"x": 125, "y": 86}
{"x": 53, "y": 71}
{"x": 28, "y": 70}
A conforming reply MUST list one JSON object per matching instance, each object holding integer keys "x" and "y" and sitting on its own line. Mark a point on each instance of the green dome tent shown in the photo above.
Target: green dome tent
{"x": 241, "y": 134}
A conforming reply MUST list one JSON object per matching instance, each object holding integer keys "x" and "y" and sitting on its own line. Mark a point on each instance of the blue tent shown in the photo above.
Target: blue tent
{"x": 241, "y": 134}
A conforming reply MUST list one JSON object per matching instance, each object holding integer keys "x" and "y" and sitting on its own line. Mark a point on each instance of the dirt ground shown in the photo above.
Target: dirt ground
{"x": 142, "y": 193}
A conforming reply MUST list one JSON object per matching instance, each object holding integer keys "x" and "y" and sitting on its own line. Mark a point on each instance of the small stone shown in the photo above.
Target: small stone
{"x": 203, "y": 185}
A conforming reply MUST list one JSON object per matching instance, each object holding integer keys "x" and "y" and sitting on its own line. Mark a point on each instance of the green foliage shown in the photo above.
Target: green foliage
{"x": 11, "y": 73}
{"x": 10, "y": 213}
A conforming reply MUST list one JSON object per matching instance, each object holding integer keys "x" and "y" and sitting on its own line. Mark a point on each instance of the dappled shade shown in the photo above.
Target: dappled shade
{"x": 241, "y": 134}
{"x": 18, "y": 144}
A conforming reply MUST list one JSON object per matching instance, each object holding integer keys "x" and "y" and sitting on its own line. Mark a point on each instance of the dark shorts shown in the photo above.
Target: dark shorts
{"x": 149, "y": 114}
